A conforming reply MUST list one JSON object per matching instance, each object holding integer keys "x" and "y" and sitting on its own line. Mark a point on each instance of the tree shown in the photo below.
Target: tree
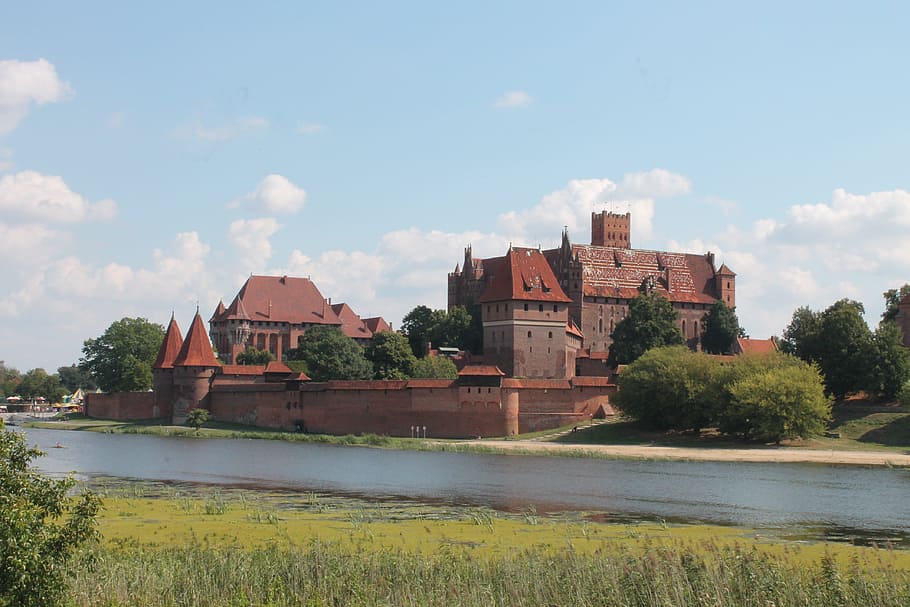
{"x": 891, "y": 367}
{"x": 893, "y": 297}
{"x": 418, "y": 325}
{"x": 721, "y": 328}
{"x": 781, "y": 402}
{"x": 801, "y": 335}
{"x": 121, "y": 359}
{"x": 254, "y": 356}
{"x": 330, "y": 354}
{"x": 41, "y": 526}
{"x": 37, "y": 383}
{"x": 435, "y": 367}
{"x": 456, "y": 328}
{"x": 391, "y": 356}
{"x": 9, "y": 379}
{"x": 651, "y": 323}
{"x": 75, "y": 377}
{"x": 845, "y": 350}
{"x": 196, "y": 418}
{"x": 670, "y": 388}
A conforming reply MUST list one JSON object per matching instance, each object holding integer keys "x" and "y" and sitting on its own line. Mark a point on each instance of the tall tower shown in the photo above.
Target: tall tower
{"x": 725, "y": 283}
{"x": 163, "y": 370}
{"x": 194, "y": 369}
{"x": 610, "y": 229}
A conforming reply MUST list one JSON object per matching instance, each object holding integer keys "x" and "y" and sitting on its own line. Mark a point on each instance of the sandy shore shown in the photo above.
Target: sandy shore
{"x": 782, "y": 454}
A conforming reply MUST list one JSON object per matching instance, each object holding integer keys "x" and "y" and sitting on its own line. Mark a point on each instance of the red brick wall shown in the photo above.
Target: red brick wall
{"x": 543, "y": 408}
{"x": 121, "y": 405}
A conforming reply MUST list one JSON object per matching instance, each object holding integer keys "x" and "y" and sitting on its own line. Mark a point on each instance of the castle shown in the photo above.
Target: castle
{"x": 598, "y": 281}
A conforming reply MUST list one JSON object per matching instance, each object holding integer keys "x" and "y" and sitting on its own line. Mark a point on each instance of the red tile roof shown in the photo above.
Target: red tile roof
{"x": 481, "y": 370}
{"x": 351, "y": 324}
{"x": 522, "y": 274}
{"x": 275, "y": 366}
{"x": 170, "y": 347}
{"x": 197, "y": 349}
{"x": 242, "y": 369}
{"x": 725, "y": 271}
{"x": 756, "y": 346}
{"x": 377, "y": 324}
{"x": 219, "y": 311}
{"x": 572, "y": 329}
{"x": 591, "y": 380}
{"x": 282, "y": 299}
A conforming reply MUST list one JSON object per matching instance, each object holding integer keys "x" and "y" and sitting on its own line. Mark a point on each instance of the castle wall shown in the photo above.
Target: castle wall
{"x": 121, "y": 405}
{"x": 547, "y": 404}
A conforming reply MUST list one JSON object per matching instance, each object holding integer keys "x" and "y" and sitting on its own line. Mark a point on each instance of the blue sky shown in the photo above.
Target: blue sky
{"x": 150, "y": 159}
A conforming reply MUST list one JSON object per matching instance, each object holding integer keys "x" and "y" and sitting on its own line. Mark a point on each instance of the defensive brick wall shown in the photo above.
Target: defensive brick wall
{"x": 121, "y": 405}
{"x": 546, "y": 404}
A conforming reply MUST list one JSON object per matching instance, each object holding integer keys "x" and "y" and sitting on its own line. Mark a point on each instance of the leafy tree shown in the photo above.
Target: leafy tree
{"x": 781, "y": 402}
{"x": 846, "y": 353}
{"x": 801, "y": 335}
{"x": 75, "y": 377}
{"x": 891, "y": 368}
{"x": 9, "y": 380}
{"x": 41, "y": 526}
{"x": 391, "y": 356}
{"x": 455, "y": 328}
{"x": 435, "y": 367}
{"x": 196, "y": 418}
{"x": 721, "y": 328}
{"x": 670, "y": 388}
{"x": 893, "y": 297}
{"x": 37, "y": 383}
{"x": 419, "y": 326}
{"x": 330, "y": 354}
{"x": 121, "y": 359}
{"x": 254, "y": 356}
{"x": 651, "y": 323}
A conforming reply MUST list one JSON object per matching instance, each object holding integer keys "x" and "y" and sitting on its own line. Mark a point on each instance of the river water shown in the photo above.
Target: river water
{"x": 864, "y": 504}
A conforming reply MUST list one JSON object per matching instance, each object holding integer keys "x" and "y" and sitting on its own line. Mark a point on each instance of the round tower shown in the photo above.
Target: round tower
{"x": 194, "y": 369}
{"x": 163, "y": 370}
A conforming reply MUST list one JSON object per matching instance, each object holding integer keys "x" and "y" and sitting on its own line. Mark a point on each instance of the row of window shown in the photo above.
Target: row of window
{"x": 506, "y": 308}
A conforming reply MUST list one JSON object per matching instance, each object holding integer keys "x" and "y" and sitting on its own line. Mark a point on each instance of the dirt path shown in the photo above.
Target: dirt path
{"x": 783, "y": 454}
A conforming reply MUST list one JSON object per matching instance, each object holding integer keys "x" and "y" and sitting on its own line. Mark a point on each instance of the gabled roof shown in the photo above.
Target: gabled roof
{"x": 170, "y": 347}
{"x": 756, "y": 346}
{"x": 242, "y": 369}
{"x": 725, "y": 271}
{"x": 275, "y": 366}
{"x": 237, "y": 311}
{"x": 572, "y": 329}
{"x": 377, "y": 324}
{"x": 282, "y": 299}
{"x": 481, "y": 370}
{"x": 522, "y": 274}
{"x": 351, "y": 324}
{"x": 197, "y": 349}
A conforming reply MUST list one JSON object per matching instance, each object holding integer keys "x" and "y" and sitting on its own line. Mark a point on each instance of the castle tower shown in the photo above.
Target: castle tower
{"x": 610, "y": 229}
{"x": 231, "y": 330}
{"x": 163, "y": 370}
{"x": 725, "y": 283}
{"x": 903, "y": 318}
{"x": 194, "y": 368}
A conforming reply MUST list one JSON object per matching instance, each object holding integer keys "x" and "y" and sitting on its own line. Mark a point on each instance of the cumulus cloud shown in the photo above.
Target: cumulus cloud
{"x": 30, "y": 195}
{"x": 251, "y": 239}
{"x": 248, "y": 125}
{"x": 275, "y": 194}
{"x": 24, "y": 84}
{"x": 513, "y": 99}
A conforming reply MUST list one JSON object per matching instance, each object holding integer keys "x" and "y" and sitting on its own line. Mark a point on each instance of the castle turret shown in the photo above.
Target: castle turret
{"x": 163, "y": 370}
{"x": 194, "y": 368}
{"x": 725, "y": 283}
{"x": 611, "y": 230}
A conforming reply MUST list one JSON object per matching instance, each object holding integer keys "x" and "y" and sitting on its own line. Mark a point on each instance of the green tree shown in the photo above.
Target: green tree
{"x": 391, "y": 356}
{"x": 75, "y": 377}
{"x": 254, "y": 356}
{"x": 651, "y": 323}
{"x": 435, "y": 367}
{"x": 419, "y": 325}
{"x": 721, "y": 328}
{"x": 454, "y": 330}
{"x": 670, "y": 388}
{"x": 782, "y": 402}
{"x": 891, "y": 367}
{"x": 893, "y": 297}
{"x": 457, "y": 328}
{"x": 196, "y": 418}
{"x": 846, "y": 353}
{"x": 801, "y": 335}
{"x": 9, "y": 379}
{"x": 121, "y": 359}
{"x": 37, "y": 383}
{"x": 330, "y": 354}
{"x": 41, "y": 526}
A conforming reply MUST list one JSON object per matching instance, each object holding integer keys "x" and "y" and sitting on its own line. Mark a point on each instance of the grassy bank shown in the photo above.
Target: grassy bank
{"x": 256, "y": 548}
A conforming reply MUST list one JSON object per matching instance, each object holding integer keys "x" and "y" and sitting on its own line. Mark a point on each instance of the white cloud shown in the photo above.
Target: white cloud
{"x": 310, "y": 128}
{"x": 27, "y": 83}
{"x": 275, "y": 194}
{"x": 656, "y": 183}
{"x": 249, "y": 125}
{"x": 251, "y": 239}
{"x": 33, "y": 196}
{"x": 513, "y": 99}
{"x": 344, "y": 276}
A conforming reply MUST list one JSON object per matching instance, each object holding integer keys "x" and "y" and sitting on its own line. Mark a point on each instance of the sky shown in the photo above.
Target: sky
{"x": 151, "y": 159}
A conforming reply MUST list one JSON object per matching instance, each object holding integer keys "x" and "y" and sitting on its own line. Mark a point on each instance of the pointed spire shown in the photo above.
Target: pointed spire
{"x": 197, "y": 349}
{"x": 218, "y": 311}
{"x": 170, "y": 347}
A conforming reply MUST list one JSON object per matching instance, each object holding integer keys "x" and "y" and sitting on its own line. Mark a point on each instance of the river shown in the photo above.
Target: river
{"x": 863, "y": 504}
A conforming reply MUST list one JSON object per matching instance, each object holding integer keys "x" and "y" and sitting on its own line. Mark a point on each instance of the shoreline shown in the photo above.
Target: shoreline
{"x": 646, "y": 452}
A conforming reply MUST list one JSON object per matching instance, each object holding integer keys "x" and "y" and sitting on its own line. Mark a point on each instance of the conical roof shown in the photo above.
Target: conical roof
{"x": 218, "y": 311}
{"x": 197, "y": 349}
{"x": 170, "y": 347}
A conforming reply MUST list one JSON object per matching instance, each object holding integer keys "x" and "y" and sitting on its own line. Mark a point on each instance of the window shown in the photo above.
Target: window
{"x": 529, "y": 334}
{"x": 526, "y": 307}
{"x": 550, "y": 334}
{"x": 497, "y": 307}
{"x": 555, "y": 308}
{"x": 540, "y": 307}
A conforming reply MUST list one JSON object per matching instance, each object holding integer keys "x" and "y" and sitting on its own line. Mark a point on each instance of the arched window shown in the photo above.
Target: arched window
{"x": 550, "y": 334}
{"x": 529, "y": 334}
